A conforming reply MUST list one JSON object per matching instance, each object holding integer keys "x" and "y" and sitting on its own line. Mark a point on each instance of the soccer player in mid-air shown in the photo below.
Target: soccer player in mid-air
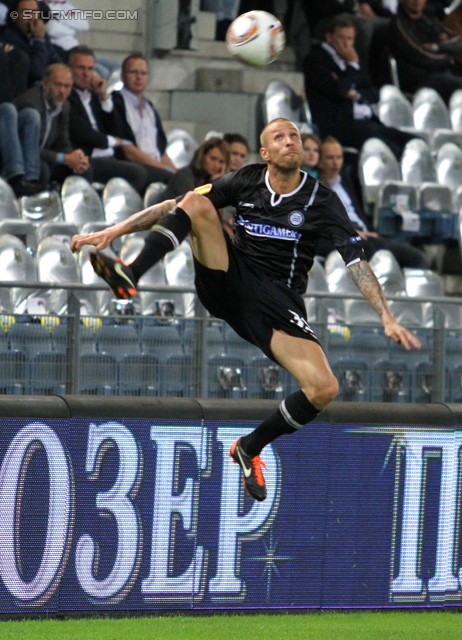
{"x": 255, "y": 280}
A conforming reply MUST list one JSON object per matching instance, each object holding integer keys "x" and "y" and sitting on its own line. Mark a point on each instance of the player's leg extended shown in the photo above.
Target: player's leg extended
{"x": 194, "y": 214}
{"x": 306, "y": 361}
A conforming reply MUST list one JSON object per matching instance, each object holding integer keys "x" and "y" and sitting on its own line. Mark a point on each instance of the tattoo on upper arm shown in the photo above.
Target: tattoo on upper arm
{"x": 366, "y": 281}
{"x": 145, "y": 219}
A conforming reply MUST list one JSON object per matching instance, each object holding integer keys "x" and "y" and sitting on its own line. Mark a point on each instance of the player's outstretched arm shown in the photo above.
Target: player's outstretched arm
{"x": 141, "y": 221}
{"x": 367, "y": 283}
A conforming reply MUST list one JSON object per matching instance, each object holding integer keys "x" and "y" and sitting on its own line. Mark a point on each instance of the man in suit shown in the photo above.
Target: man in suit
{"x": 330, "y": 167}
{"x": 139, "y": 122}
{"x": 25, "y": 30}
{"x": 93, "y": 123}
{"x": 340, "y": 92}
{"x": 49, "y": 99}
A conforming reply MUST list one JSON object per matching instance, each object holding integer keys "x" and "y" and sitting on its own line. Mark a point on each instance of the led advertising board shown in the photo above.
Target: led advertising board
{"x": 138, "y": 515}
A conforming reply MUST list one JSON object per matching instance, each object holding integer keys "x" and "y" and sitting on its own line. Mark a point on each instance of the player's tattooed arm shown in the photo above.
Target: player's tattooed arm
{"x": 141, "y": 221}
{"x": 367, "y": 283}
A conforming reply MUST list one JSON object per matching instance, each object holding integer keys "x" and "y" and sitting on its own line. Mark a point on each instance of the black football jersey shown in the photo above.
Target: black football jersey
{"x": 277, "y": 234}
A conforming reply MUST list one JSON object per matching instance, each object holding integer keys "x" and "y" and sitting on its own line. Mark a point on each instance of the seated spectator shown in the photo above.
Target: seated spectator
{"x": 312, "y": 151}
{"x": 238, "y": 150}
{"x": 139, "y": 122}
{"x": 26, "y": 31}
{"x": 424, "y": 49}
{"x": 340, "y": 92}
{"x": 330, "y": 168}
{"x": 14, "y": 64}
{"x": 454, "y": 22}
{"x": 209, "y": 162}
{"x": 49, "y": 98}
{"x": 93, "y": 123}
{"x": 20, "y": 149}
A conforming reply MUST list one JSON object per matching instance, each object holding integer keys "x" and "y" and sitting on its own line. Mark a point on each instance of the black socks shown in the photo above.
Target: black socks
{"x": 293, "y": 412}
{"x": 167, "y": 235}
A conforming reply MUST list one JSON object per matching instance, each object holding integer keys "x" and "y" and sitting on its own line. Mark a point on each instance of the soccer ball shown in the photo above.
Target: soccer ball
{"x": 255, "y": 38}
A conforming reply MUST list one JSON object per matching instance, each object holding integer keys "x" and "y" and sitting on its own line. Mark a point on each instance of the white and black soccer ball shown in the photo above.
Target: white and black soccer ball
{"x": 255, "y": 38}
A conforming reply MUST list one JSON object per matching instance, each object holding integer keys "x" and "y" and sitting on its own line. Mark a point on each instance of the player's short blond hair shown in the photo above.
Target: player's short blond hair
{"x": 262, "y": 134}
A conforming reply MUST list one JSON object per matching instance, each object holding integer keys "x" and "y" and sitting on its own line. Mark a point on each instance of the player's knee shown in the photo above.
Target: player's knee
{"x": 323, "y": 391}
{"x": 197, "y": 207}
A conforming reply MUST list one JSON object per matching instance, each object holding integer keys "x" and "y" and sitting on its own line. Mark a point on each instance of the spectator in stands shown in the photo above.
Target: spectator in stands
{"x": 330, "y": 167}
{"x": 93, "y": 123}
{"x": 49, "y": 98}
{"x": 238, "y": 150}
{"x": 20, "y": 149}
{"x": 139, "y": 122}
{"x": 209, "y": 162}
{"x": 424, "y": 49}
{"x": 340, "y": 92}
{"x": 14, "y": 64}
{"x": 312, "y": 152}
{"x": 454, "y": 22}
{"x": 26, "y": 31}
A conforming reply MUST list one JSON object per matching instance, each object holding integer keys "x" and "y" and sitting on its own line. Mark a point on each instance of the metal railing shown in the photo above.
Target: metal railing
{"x": 202, "y": 357}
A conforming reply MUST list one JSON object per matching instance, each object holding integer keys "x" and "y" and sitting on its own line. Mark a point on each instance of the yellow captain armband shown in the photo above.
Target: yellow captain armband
{"x": 204, "y": 189}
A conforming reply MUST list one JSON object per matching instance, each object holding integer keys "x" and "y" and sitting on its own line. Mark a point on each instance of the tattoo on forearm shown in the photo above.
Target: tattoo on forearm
{"x": 366, "y": 281}
{"x": 145, "y": 219}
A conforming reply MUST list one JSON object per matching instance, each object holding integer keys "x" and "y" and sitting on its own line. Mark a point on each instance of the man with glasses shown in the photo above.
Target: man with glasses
{"x": 139, "y": 122}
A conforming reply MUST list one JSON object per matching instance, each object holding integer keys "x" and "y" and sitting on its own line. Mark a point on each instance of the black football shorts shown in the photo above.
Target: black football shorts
{"x": 251, "y": 303}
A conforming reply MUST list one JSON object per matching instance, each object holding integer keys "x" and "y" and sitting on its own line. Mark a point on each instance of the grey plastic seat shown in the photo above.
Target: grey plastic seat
{"x": 377, "y": 163}
{"x": 154, "y": 277}
{"x": 455, "y": 100}
{"x": 23, "y": 230}
{"x": 154, "y": 194}
{"x": 180, "y": 147}
{"x": 434, "y": 197}
{"x": 398, "y": 195}
{"x": 81, "y": 203}
{"x": 417, "y": 163}
{"x": 394, "y": 108}
{"x": 9, "y": 207}
{"x": 56, "y": 264}
{"x": 63, "y": 231}
{"x": 179, "y": 272}
{"x": 441, "y": 136}
{"x": 43, "y": 207}
{"x": 449, "y": 165}
{"x": 456, "y": 118}
{"x": 317, "y": 283}
{"x": 120, "y": 200}
{"x": 429, "y": 110}
{"x": 388, "y": 272}
{"x": 17, "y": 265}
{"x": 281, "y": 101}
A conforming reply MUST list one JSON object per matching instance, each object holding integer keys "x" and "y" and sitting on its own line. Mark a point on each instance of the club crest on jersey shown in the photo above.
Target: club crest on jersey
{"x": 296, "y": 218}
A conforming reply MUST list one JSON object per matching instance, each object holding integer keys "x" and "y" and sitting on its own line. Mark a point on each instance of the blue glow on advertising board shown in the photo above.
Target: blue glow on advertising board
{"x": 137, "y": 515}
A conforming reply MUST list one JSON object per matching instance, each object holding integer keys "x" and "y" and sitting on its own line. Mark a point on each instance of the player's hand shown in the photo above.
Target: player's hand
{"x": 100, "y": 240}
{"x": 400, "y": 334}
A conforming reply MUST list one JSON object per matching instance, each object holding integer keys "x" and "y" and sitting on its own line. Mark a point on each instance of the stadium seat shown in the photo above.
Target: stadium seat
{"x": 441, "y": 136}
{"x": 98, "y": 374}
{"x": 395, "y": 199}
{"x": 48, "y": 374}
{"x": 139, "y": 375}
{"x": 281, "y": 101}
{"x": 180, "y": 147}
{"x": 226, "y": 377}
{"x": 81, "y": 203}
{"x": 120, "y": 200}
{"x": 449, "y": 165}
{"x": 215, "y": 338}
{"x": 9, "y": 207}
{"x": 23, "y": 230}
{"x": 394, "y": 109}
{"x": 391, "y": 381}
{"x": 30, "y": 338}
{"x": 118, "y": 340}
{"x": 179, "y": 272}
{"x": 377, "y": 163}
{"x": 317, "y": 283}
{"x": 353, "y": 378}
{"x": 237, "y": 347}
{"x": 161, "y": 340}
{"x": 12, "y": 372}
{"x": 178, "y": 376}
{"x": 43, "y": 207}
{"x": 154, "y": 194}
{"x": 63, "y": 231}
{"x": 417, "y": 163}
{"x": 19, "y": 266}
{"x": 388, "y": 273}
{"x": 56, "y": 264}
{"x": 429, "y": 111}
{"x": 424, "y": 283}
{"x": 265, "y": 379}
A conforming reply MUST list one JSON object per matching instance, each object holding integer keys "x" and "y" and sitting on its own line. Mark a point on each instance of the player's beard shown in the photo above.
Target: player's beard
{"x": 288, "y": 165}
